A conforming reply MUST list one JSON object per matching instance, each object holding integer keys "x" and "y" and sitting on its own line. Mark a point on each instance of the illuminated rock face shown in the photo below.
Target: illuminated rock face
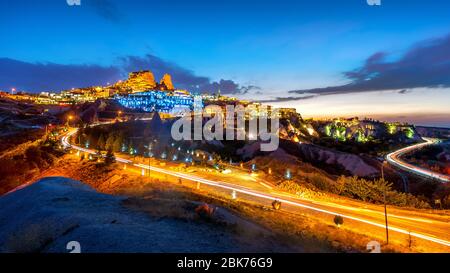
{"x": 145, "y": 80}
{"x": 367, "y": 130}
{"x": 166, "y": 83}
{"x": 140, "y": 81}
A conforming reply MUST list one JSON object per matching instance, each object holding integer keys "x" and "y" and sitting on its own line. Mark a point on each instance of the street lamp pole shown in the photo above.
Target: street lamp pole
{"x": 69, "y": 119}
{"x": 149, "y": 162}
{"x": 385, "y": 208}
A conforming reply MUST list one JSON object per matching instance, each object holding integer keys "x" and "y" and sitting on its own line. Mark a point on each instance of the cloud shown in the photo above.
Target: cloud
{"x": 283, "y": 99}
{"x": 228, "y": 87}
{"x": 36, "y": 77}
{"x": 249, "y": 88}
{"x": 106, "y": 9}
{"x": 426, "y": 64}
{"x": 404, "y": 91}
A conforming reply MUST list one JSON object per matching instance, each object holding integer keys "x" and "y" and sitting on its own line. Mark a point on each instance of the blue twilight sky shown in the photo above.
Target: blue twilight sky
{"x": 326, "y": 58}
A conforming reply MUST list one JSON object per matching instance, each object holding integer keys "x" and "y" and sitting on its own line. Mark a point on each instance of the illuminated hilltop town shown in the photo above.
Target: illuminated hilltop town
{"x": 140, "y": 81}
{"x": 142, "y": 92}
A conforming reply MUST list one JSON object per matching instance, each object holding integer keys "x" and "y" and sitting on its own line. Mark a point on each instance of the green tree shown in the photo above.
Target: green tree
{"x": 379, "y": 188}
{"x": 109, "y": 142}
{"x": 357, "y": 188}
{"x": 140, "y": 148}
{"x": 117, "y": 145}
{"x": 101, "y": 142}
{"x": 340, "y": 185}
{"x": 131, "y": 147}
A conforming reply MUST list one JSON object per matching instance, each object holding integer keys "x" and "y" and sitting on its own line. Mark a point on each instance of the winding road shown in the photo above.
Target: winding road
{"x": 368, "y": 218}
{"x": 394, "y": 159}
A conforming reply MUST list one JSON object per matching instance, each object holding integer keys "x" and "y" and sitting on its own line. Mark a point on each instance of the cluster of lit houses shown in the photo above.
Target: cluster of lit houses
{"x": 141, "y": 91}
{"x": 66, "y": 97}
{"x": 175, "y": 102}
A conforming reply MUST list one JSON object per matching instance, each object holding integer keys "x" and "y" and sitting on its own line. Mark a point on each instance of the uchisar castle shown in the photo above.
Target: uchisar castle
{"x": 144, "y": 81}
{"x": 141, "y": 91}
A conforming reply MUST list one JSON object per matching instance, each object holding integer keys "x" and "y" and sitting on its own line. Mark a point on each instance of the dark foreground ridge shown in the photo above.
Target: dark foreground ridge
{"x": 47, "y": 215}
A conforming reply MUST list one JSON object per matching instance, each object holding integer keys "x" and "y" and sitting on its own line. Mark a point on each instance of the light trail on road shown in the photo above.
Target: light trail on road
{"x": 394, "y": 159}
{"x": 246, "y": 191}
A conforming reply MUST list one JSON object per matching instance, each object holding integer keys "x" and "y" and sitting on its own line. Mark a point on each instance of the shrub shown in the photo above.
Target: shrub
{"x": 8, "y": 167}
{"x": 276, "y": 205}
{"x": 357, "y": 188}
{"x": 33, "y": 153}
{"x": 338, "y": 220}
{"x": 110, "y": 158}
{"x": 320, "y": 182}
{"x": 446, "y": 202}
{"x": 374, "y": 191}
{"x": 205, "y": 211}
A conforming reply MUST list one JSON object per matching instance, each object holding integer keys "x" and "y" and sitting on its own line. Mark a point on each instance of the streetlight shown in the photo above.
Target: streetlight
{"x": 288, "y": 174}
{"x": 233, "y": 195}
{"x": 384, "y": 198}
{"x": 150, "y": 146}
{"x": 69, "y": 119}
{"x": 46, "y": 128}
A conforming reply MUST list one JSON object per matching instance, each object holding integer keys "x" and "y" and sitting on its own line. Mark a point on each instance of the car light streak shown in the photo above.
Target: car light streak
{"x": 394, "y": 159}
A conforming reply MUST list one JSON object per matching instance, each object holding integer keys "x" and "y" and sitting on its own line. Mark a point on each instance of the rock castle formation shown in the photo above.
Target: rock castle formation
{"x": 145, "y": 80}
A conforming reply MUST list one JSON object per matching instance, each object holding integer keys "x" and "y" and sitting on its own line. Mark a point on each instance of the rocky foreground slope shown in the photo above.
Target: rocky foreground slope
{"x": 47, "y": 215}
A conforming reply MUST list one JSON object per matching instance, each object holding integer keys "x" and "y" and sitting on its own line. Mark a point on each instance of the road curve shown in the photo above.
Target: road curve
{"x": 394, "y": 159}
{"x": 299, "y": 203}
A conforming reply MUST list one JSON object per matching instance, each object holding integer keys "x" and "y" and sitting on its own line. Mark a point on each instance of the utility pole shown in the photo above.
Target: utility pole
{"x": 149, "y": 160}
{"x": 149, "y": 175}
{"x": 385, "y": 208}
